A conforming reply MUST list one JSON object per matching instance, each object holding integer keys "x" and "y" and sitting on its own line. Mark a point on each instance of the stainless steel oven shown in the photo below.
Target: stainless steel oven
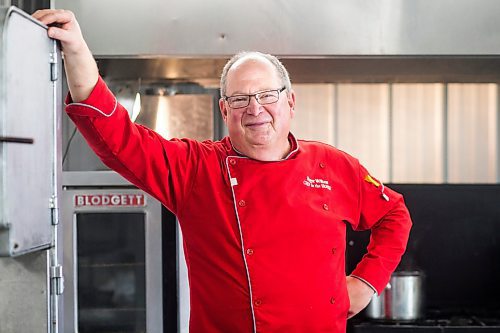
{"x": 120, "y": 257}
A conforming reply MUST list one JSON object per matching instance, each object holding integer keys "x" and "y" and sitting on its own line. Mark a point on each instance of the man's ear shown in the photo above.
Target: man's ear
{"x": 223, "y": 110}
{"x": 291, "y": 102}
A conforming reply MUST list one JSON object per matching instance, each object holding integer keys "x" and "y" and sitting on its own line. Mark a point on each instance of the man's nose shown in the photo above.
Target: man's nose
{"x": 254, "y": 108}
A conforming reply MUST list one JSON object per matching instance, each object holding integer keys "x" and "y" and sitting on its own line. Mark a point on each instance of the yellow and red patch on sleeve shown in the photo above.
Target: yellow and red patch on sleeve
{"x": 371, "y": 180}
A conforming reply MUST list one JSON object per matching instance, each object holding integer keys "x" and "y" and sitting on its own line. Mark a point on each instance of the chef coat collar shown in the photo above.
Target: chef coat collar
{"x": 294, "y": 144}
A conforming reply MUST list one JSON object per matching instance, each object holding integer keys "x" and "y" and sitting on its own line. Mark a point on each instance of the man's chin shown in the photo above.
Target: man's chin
{"x": 261, "y": 140}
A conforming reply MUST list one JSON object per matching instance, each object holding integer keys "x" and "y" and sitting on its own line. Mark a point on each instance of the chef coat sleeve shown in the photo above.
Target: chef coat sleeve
{"x": 384, "y": 212}
{"x": 163, "y": 168}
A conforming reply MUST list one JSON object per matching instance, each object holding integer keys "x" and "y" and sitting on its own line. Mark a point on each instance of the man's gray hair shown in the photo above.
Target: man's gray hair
{"x": 280, "y": 69}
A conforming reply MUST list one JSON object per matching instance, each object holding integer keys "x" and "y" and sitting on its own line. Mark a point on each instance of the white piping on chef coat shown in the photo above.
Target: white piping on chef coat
{"x": 234, "y": 182}
{"x": 96, "y": 109}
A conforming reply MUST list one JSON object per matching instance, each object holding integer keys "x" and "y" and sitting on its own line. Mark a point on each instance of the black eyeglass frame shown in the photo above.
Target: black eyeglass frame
{"x": 280, "y": 90}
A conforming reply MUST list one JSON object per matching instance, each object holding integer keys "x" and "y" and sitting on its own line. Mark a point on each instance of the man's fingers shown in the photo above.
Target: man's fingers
{"x": 59, "y": 34}
{"x": 39, "y": 13}
{"x": 51, "y": 16}
{"x": 62, "y": 26}
{"x": 352, "y": 312}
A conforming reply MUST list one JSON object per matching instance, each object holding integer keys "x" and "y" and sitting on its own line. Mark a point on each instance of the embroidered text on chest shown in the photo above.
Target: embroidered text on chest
{"x": 317, "y": 183}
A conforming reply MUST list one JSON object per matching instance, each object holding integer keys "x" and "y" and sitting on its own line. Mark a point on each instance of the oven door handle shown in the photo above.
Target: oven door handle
{"x": 11, "y": 139}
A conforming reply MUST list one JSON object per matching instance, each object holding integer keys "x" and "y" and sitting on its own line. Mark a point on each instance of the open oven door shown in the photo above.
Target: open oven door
{"x": 30, "y": 168}
{"x": 29, "y": 100}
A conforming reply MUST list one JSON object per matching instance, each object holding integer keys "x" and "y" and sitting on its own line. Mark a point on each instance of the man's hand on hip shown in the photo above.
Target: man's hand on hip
{"x": 360, "y": 295}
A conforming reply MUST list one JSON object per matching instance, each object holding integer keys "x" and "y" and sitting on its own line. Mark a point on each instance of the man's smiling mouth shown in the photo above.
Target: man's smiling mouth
{"x": 257, "y": 124}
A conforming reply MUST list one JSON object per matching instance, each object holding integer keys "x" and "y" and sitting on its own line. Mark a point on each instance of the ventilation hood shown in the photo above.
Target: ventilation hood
{"x": 323, "y": 28}
{"x": 319, "y": 41}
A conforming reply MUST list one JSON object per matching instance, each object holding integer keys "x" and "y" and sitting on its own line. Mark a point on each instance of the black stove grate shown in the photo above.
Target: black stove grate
{"x": 435, "y": 321}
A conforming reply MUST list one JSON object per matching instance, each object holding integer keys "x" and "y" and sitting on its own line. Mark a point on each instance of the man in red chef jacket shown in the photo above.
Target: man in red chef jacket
{"x": 262, "y": 213}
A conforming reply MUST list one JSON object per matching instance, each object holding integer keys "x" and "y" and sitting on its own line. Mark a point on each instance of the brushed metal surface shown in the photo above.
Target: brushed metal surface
{"x": 421, "y": 69}
{"x": 24, "y": 288}
{"x": 401, "y": 300}
{"x": 93, "y": 179}
{"x": 180, "y": 116}
{"x": 288, "y": 28}
{"x": 27, "y": 102}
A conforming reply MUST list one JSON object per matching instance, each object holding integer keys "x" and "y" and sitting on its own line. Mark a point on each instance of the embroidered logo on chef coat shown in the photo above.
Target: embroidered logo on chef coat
{"x": 317, "y": 183}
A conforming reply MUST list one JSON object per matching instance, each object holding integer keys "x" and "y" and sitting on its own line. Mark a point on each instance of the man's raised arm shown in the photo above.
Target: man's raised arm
{"x": 81, "y": 70}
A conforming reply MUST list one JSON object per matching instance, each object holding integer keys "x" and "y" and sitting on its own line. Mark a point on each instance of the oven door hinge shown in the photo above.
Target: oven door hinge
{"x": 55, "y": 209}
{"x": 56, "y": 280}
{"x": 54, "y": 73}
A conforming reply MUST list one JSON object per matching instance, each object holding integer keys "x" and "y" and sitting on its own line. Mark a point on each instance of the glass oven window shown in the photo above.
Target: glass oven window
{"x": 111, "y": 272}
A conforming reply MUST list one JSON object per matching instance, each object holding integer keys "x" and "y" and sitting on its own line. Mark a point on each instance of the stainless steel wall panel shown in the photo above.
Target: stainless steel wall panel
{"x": 314, "y": 112}
{"x": 363, "y": 125}
{"x": 180, "y": 116}
{"x": 472, "y": 133}
{"x": 417, "y": 133}
{"x": 289, "y": 28}
{"x": 24, "y": 293}
{"x": 78, "y": 155}
{"x": 425, "y": 133}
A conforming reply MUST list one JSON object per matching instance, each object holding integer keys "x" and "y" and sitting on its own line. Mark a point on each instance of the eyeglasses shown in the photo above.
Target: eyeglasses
{"x": 262, "y": 97}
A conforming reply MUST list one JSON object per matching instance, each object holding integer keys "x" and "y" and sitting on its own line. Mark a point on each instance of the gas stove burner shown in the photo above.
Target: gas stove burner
{"x": 446, "y": 321}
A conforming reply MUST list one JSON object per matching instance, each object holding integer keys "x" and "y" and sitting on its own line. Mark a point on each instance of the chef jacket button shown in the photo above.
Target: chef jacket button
{"x": 257, "y": 302}
{"x": 332, "y": 300}
{"x": 334, "y": 250}
{"x": 242, "y": 203}
{"x": 249, "y": 252}
{"x": 322, "y": 165}
{"x": 325, "y": 207}
{"x": 232, "y": 161}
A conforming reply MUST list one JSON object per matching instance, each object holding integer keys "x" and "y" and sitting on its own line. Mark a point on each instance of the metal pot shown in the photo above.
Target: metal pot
{"x": 401, "y": 300}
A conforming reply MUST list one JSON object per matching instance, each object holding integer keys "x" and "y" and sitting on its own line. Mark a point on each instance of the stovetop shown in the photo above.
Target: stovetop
{"x": 435, "y": 321}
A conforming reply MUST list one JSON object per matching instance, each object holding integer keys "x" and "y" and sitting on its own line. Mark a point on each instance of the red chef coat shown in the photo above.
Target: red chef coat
{"x": 264, "y": 241}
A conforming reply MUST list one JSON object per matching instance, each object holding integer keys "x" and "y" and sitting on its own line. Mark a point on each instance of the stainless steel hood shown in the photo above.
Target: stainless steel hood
{"x": 295, "y": 28}
{"x": 319, "y": 41}
{"x": 380, "y": 69}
